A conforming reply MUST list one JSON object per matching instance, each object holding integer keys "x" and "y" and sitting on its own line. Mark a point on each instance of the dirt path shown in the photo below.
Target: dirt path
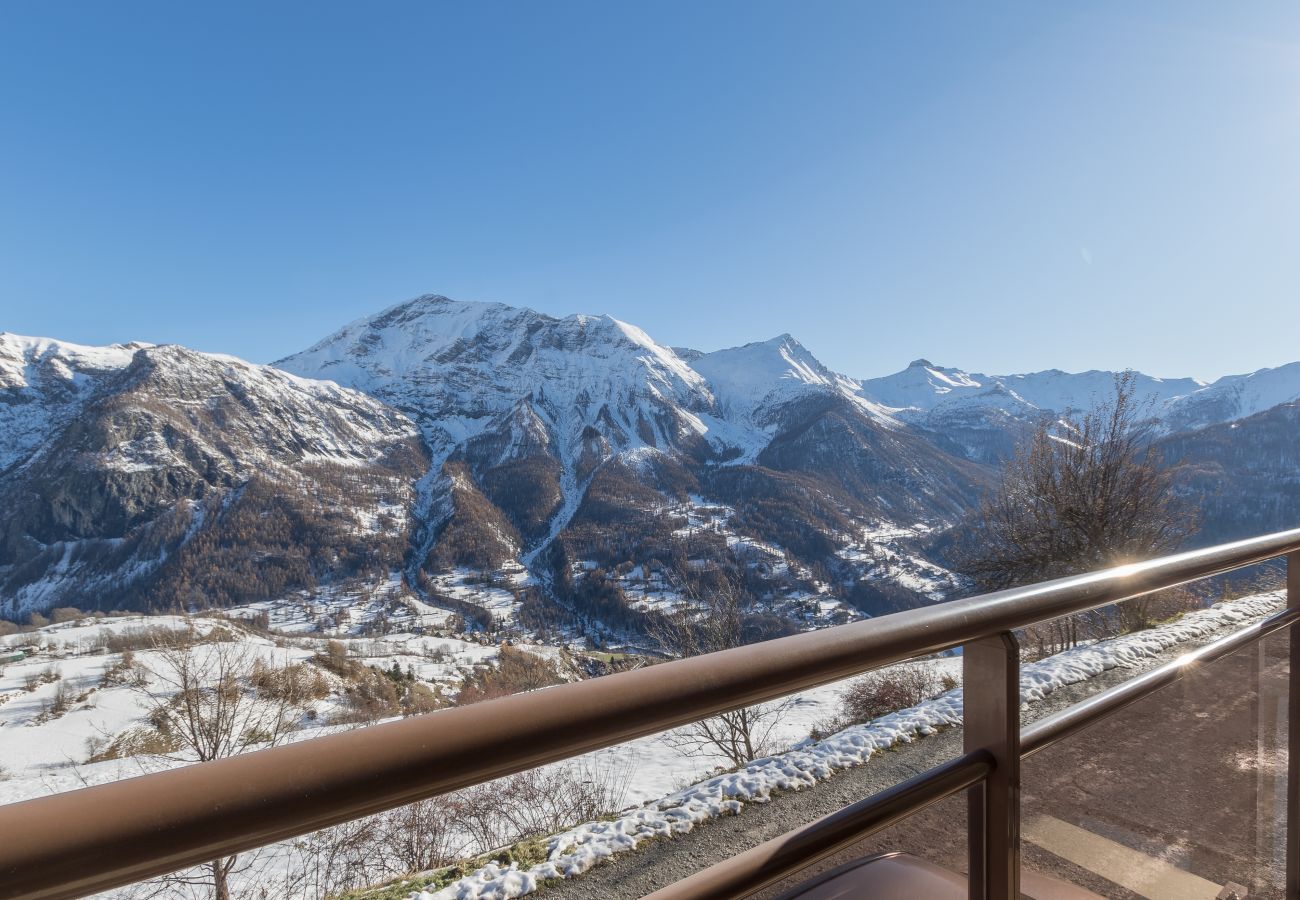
{"x": 1192, "y": 776}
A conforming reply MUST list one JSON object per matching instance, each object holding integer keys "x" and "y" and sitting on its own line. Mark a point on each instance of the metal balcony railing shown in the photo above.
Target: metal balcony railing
{"x": 96, "y": 838}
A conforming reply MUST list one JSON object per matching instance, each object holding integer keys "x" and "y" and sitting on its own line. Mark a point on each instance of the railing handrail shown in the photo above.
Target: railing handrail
{"x": 137, "y": 828}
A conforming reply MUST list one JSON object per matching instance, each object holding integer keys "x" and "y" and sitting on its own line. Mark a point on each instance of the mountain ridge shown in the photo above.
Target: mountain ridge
{"x": 534, "y": 472}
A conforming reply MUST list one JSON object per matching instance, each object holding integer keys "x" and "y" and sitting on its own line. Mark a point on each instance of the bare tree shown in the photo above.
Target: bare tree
{"x": 1081, "y": 494}
{"x": 210, "y": 700}
{"x": 709, "y": 619}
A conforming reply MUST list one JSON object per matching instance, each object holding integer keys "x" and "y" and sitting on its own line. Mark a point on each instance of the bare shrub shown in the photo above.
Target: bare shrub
{"x": 209, "y": 708}
{"x": 142, "y": 740}
{"x": 420, "y": 699}
{"x": 34, "y": 679}
{"x": 212, "y": 708}
{"x": 516, "y": 671}
{"x": 423, "y": 835}
{"x": 541, "y": 801}
{"x": 333, "y": 861}
{"x": 369, "y": 698}
{"x": 147, "y": 637}
{"x": 431, "y": 834}
{"x": 1098, "y": 496}
{"x": 334, "y": 658}
{"x": 122, "y": 672}
{"x": 297, "y": 683}
{"x": 881, "y": 693}
{"x": 66, "y": 614}
{"x": 57, "y": 703}
{"x": 885, "y": 691}
{"x": 1095, "y": 496}
{"x": 372, "y": 694}
{"x": 1058, "y": 635}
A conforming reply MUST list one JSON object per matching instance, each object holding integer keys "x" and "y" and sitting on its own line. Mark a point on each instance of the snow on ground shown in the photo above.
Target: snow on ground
{"x": 42, "y": 753}
{"x": 335, "y": 609}
{"x": 47, "y": 747}
{"x": 425, "y": 615}
{"x": 660, "y": 765}
{"x": 575, "y": 851}
{"x": 797, "y": 595}
{"x": 494, "y": 593}
{"x": 645, "y": 587}
{"x": 880, "y": 551}
{"x": 671, "y": 788}
{"x": 349, "y": 610}
{"x": 440, "y": 660}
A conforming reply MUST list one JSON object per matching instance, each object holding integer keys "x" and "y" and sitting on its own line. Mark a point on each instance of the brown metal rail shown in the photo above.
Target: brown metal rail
{"x": 783, "y": 856}
{"x": 772, "y": 861}
{"x": 142, "y": 827}
{"x": 1086, "y": 713}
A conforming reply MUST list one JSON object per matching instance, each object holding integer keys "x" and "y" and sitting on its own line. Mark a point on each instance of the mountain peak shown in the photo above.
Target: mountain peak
{"x": 458, "y": 365}
{"x": 759, "y": 374}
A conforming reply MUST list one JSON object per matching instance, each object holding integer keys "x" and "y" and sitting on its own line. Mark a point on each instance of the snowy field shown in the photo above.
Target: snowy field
{"x": 43, "y": 751}
{"x": 669, "y": 785}
{"x": 494, "y": 594}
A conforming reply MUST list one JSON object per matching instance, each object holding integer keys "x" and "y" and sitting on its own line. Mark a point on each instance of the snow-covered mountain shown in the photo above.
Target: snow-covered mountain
{"x": 158, "y": 476}
{"x": 503, "y": 464}
{"x": 555, "y": 440}
{"x": 462, "y": 368}
{"x": 43, "y": 383}
{"x": 923, "y": 388}
{"x": 981, "y": 416}
{"x": 752, "y": 382}
{"x": 1234, "y": 397}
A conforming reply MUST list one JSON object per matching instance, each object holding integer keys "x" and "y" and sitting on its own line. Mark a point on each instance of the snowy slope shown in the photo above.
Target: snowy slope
{"x": 460, "y": 368}
{"x": 751, "y": 382}
{"x": 532, "y": 404}
{"x": 43, "y": 383}
{"x": 145, "y": 452}
{"x": 923, "y": 387}
{"x": 1235, "y": 397}
{"x": 573, "y": 852}
{"x": 482, "y": 436}
{"x": 584, "y": 431}
{"x": 927, "y": 394}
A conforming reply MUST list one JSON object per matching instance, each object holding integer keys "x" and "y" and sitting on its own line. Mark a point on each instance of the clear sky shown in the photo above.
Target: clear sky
{"x": 1003, "y": 187}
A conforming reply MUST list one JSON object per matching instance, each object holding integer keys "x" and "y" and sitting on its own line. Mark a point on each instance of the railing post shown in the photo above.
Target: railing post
{"x": 991, "y": 692}
{"x": 1293, "y": 736}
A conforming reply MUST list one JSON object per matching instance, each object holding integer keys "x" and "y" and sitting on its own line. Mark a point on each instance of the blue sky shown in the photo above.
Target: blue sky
{"x": 1003, "y": 187}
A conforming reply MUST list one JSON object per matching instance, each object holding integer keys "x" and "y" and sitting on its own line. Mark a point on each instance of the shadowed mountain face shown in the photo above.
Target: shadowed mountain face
{"x": 582, "y": 474}
{"x": 1245, "y": 474}
{"x": 164, "y": 477}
